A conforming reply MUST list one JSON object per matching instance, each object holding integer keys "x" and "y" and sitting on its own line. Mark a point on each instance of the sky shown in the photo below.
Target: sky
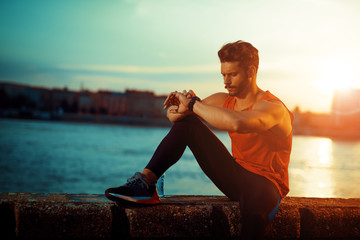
{"x": 307, "y": 48}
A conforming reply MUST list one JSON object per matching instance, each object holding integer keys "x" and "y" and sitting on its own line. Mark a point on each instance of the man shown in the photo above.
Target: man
{"x": 260, "y": 128}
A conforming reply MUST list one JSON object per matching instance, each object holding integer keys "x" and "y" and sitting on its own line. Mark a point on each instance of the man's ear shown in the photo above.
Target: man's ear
{"x": 251, "y": 71}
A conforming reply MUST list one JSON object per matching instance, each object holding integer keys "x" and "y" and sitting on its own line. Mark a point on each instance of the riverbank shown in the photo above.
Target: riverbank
{"x": 299, "y": 130}
{"x": 89, "y": 118}
{"x": 73, "y": 216}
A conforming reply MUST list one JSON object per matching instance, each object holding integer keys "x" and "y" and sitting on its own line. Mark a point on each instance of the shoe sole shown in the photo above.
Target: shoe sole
{"x": 138, "y": 200}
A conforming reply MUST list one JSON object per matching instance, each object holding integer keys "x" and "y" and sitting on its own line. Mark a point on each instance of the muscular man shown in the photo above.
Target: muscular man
{"x": 260, "y": 128}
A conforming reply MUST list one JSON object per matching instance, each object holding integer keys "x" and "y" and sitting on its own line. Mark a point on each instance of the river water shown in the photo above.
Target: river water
{"x": 60, "y": 157}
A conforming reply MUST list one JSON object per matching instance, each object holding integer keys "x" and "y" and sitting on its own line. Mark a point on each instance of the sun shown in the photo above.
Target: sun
{"x": 334, "y": 75}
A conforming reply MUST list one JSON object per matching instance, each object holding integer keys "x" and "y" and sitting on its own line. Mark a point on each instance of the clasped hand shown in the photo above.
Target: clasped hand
{"x": 180, "y": 100}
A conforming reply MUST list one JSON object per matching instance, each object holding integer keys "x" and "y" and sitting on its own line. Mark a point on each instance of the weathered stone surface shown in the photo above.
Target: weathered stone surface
{"x": 186, "y": 217}
{"x": 64, "y": 220}
{"x": 328, "y": 218}
{"x": 330, "y": 222}
{"x": 48, "y": 216}
{"x": 170, "y": 221}
{"x": 77, "y": 216}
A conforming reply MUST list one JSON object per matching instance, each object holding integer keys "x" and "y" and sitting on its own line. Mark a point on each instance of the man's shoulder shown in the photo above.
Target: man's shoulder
{"x": 216, "y": 99}
{"x": 274, "y": 107}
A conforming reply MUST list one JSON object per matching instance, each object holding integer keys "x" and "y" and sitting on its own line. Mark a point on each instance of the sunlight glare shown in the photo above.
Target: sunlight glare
{"x": 319, "y": 161}
{"x": 334, "y": 75}
{"x": 325, "y": 152}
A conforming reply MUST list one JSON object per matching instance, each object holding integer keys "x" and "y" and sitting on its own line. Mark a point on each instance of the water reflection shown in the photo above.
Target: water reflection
{"x": 87, "y": 158}
{"x": 313, "y": 166}
{"x": 325, "y": 152}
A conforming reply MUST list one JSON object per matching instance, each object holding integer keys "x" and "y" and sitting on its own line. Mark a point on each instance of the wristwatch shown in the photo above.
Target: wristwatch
{"x": 192, "y": 102}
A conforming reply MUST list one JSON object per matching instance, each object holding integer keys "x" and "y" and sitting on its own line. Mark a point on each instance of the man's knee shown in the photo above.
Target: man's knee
{"x": 190, "y": 121}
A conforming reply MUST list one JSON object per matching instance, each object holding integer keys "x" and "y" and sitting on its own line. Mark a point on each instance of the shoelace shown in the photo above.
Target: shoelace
{"x": 136, "y": 179}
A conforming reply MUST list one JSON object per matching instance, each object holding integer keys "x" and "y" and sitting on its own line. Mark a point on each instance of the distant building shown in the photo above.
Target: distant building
{"x": 111, "y": 103}
{"x": 346, "y": 109}
{"x": 63, "y": 99}
{"x": 86, "y": 102}
{"x": 144, "y": 104}
{"x": 33, "y": 95}
{"x": 131, "y": 103}
{"x": 342, "y": 123}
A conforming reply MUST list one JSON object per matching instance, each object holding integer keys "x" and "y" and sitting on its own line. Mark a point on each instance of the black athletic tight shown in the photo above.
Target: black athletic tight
{"x": 257, "y": 195}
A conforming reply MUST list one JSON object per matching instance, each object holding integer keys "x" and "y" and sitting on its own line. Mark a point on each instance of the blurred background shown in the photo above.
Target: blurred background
{"x": 82, "y": 85}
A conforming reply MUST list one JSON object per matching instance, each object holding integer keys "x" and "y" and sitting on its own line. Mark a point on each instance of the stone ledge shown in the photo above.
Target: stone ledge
{"x": 76, "y": 216}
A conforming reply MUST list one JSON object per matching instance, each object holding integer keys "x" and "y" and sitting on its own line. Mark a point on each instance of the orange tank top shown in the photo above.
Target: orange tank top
{"x": 263, "y": 153}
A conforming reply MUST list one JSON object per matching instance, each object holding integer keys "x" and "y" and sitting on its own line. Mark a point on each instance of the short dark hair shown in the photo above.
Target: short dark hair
{"x": 240, "y": 51}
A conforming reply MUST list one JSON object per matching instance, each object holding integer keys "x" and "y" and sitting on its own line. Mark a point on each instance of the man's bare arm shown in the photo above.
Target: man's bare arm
{"x": 264, "y": 116}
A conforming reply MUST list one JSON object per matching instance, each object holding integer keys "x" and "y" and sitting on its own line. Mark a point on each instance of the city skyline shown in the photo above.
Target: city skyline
{"x": 307, "y": 48}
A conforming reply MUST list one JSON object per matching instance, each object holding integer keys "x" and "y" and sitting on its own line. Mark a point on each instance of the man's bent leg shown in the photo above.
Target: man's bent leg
{"x": 141, "y": 187}
{"x": 218, "y": 164}
{"x": 212, "y": 156}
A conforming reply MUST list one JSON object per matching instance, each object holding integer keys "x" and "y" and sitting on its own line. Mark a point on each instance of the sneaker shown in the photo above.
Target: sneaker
{"x": 136, "y": 190}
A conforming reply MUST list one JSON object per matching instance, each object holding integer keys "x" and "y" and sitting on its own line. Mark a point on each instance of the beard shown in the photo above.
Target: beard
{"x": 233, "y": 91}
{"x": 239, "y": 90}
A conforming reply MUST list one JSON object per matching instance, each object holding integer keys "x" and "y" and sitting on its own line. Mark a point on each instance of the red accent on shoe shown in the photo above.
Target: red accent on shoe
{"x": 155, "y": 199}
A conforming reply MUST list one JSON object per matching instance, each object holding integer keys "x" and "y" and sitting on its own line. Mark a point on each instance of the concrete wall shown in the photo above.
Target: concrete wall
{"x": 73, "y": 216}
